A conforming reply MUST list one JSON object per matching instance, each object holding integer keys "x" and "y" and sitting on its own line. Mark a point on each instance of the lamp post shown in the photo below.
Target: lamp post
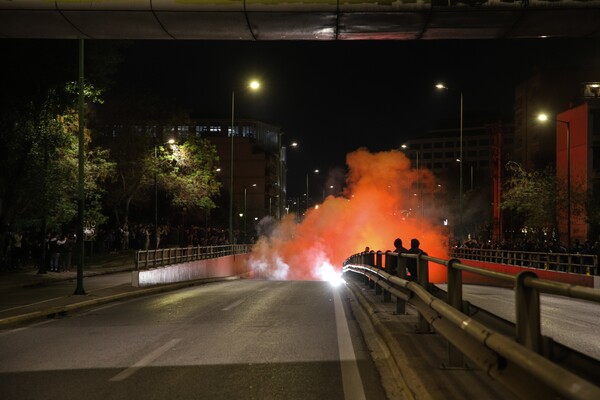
{"x": 245, "y": 211}
{"x": 156, "y": 241}
{"x": 253, "y": 85}
{"x": 316, "y": 171}
{"x": 281, "y": 181}
{"x": 79, "y": 290}
{"x": 544, "y": 118}
{"x": 245, "y": 207}
{"x": 441, "y": 86}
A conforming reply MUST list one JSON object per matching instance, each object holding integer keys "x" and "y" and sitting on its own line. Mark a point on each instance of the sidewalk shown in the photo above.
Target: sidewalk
{"x": 96, "y": 265}
{"x": 26, "y": 295}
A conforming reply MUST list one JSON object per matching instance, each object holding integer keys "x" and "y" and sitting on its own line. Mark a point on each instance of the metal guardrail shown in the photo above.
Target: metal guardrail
{"x": 145, "y": 259}
{"x": 518, "y": 363}
{"x": 573, "y": 263}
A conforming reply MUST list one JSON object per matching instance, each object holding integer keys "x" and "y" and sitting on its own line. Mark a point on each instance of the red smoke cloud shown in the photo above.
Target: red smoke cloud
{"x": 377, "y": 206}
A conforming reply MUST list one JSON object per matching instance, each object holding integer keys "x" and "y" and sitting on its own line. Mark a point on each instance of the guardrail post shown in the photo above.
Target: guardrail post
{"x": 377, "y": 288}
{"x": 391, "y": 263}
{"x": 370, "y": 258}
{"x": 455, "y": 299}
{"x": 378, "y": 260}
{"x": 387, "y": 296}
{"x": 423, "y": 279}
{"x": 401, "y": 271}
{"x": 527, "y": 301}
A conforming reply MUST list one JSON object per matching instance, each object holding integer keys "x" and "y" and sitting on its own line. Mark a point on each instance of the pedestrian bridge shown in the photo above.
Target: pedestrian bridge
{"x": 298, "y": 20}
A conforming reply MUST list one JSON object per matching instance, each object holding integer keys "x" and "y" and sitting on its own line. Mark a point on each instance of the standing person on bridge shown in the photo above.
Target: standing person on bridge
{"x": 398, "y": 248}
{"x": 411, "y": 263}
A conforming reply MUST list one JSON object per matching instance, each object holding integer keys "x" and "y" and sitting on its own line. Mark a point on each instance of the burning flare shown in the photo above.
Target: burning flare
{"x": 373, "y": 211}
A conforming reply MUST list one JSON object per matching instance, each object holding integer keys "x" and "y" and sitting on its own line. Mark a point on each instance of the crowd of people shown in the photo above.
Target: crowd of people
{"x": 26, "y": 249}
{"x": 534, "y": 246}
{"x": 146, "y": 237}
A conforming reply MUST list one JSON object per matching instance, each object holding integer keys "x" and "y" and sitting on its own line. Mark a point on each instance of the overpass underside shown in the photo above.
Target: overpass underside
{"x": 298, "y": 20}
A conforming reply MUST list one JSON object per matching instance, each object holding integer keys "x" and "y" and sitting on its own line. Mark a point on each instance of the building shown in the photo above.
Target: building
{"x": 259, "y": 164}
{"x": 573, "y": 99}
{"x": 483, "y": 150}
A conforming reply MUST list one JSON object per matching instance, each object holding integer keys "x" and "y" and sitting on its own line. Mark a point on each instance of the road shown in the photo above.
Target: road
{"x": 238, "y": 339}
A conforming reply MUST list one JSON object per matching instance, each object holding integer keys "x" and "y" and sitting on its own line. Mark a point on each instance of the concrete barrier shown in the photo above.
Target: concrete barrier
{"x": 234, "y": 265}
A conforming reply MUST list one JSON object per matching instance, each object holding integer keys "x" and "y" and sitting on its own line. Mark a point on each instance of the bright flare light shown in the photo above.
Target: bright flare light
{"x": 327, "y": 273}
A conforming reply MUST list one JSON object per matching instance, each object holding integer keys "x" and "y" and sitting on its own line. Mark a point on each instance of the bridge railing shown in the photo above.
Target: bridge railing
{"x": 524, "y": 362}
{"x": 573, "y": 263}
{"x": 145, "y": 259}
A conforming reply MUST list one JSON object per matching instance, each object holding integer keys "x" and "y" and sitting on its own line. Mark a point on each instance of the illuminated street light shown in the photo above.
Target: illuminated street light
{"x": 544, "y": 118}
{"x": 253, "y": 85}
{"x": 441, "y": 86}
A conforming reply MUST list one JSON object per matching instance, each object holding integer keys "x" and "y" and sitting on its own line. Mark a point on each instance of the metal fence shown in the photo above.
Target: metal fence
{"x": 524, "y": 362}
{"x": 574, "y": 263}
{"x": 145, "y": 259}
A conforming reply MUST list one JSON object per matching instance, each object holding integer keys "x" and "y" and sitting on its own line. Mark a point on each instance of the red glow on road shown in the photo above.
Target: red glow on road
{"x": 379, "y": 189}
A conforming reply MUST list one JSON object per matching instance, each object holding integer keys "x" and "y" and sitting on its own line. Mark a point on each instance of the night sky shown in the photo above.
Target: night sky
{"x": 331, "y": 97}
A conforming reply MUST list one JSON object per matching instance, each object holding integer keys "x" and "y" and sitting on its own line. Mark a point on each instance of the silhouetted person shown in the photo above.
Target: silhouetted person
{"x": 398, "y": 248}
{"x": 411, "y": 263}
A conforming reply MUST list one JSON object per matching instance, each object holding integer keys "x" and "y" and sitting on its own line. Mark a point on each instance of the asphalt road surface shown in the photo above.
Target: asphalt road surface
{"x": 240, "y": 339}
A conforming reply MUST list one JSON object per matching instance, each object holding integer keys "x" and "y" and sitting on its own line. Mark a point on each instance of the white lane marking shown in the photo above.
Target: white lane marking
{"x": 126, "y": 373}
{"x": 47, "y": 300}
{"x": 229, "y": 307}
{"x": 33, "y": 304}
{"x": 353, "y": 387}
{"x": 48, "y": 321}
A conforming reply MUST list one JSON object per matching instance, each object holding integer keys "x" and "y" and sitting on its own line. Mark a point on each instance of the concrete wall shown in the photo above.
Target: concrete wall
{"x": 236, "y": 265}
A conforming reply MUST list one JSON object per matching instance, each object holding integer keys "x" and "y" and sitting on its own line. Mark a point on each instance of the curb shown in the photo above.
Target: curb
{"x": 413, "y": 384}
{"x": 63, "y": 310}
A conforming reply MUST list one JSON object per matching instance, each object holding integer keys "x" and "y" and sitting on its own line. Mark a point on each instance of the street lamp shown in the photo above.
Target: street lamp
{"x": 245, "y": 208}
{"x": 441, "y": 86}
{"x": 544, "y": 118}
{"x": 316, "y": 171}
{"x": 156, "y": 241}
{"x": 283, "y": 182}
{"x": 252, "y": 85}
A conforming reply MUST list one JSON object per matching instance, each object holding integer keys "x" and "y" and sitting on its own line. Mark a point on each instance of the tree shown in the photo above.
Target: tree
{"x": 188, "y": 174}
{"x": 534, "y": 197}
{"x": 40, "y": 141}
